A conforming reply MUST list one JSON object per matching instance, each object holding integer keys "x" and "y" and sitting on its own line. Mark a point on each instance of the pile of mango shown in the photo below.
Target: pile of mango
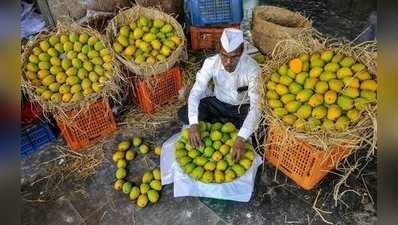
{"x": 68, "y": 67}
{"x": 146, "y": 41}
{"x": 325, "y": 90}
{"x": 213, "y": 162}
{"x": 150, "y": 187}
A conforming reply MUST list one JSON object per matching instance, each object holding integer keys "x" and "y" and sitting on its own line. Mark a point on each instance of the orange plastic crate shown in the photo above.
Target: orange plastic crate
{"x": 207, "y": 38}
{"x": 302, "y": 162}
{"x": 88, "y": 126}
{"x": 157, "y": 90}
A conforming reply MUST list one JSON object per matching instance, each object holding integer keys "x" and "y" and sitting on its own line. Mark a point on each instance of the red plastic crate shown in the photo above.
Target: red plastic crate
{"x": 207, "y": 38}
{"x": 30, "y": 113}
{"x": 157, "y": 90}
{"x": 88, "y": 126}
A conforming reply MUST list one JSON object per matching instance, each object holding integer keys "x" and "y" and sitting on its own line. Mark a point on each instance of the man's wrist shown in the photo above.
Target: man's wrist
{"x": 242, "y": 139}
{"x": 194, "y": 126}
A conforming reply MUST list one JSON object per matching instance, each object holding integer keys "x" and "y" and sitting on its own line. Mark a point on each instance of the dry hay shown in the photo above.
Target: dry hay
{"x": 83, "y": 163}
{"x": 149, "y": 123}
{"x": 362, "y": 135}
{"x": 191, "y": 67}
{"x": 67, "y": 166}
{"x": 144, "y": 69}
{"x": 110, "y": 90}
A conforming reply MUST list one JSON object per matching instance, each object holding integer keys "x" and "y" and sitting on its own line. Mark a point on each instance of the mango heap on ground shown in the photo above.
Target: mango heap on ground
{"x": 147, "y": 191}
{"x": 321, "y": 91}
{"x": 213, "y": 162}
{"x": 146, "y": 40}
{"x": 125, "y": 152}
{"x": 68, "y": 67}
{"x": 151, "y": 184}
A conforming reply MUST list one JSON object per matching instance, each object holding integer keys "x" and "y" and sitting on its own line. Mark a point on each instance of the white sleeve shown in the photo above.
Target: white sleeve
{"x": 249, "y": 124}
{"x": 202, "y": 78}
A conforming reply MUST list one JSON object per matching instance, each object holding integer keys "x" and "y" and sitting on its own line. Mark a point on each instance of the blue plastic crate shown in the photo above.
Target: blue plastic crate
{"x": 215, "y": 12}
{"x": 26, "y": 146}
{"x": 35, "y": 136}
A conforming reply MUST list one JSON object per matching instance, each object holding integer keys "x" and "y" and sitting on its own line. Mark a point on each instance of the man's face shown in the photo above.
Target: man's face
{"x": 230, "y": 60}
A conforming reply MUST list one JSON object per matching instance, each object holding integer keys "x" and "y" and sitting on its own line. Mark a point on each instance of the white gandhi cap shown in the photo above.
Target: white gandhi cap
{"x": 231, "y": 39}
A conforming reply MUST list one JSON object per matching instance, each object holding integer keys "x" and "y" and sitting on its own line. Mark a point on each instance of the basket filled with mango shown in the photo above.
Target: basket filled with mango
{"x": 320, "y": 105}
{"x": 146, "y": 41}
{"x": 68, "y": 66}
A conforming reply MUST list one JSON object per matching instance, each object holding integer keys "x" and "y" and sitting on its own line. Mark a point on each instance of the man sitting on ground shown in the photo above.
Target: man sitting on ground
{"x": 234, "y": 75}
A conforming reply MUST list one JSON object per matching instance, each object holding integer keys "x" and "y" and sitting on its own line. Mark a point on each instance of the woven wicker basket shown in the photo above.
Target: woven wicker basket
{"x": 48, "y": 106}
{"x": 145, "y": 69}
{"x": 272, "y": 24}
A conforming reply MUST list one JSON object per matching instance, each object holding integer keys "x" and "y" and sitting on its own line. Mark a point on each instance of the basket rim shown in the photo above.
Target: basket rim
{"x": 259, "y": 18}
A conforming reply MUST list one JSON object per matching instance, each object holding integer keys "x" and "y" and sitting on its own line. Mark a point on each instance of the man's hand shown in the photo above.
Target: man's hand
{"x": 238, "y": 148}
{"x": 194, "y": 136}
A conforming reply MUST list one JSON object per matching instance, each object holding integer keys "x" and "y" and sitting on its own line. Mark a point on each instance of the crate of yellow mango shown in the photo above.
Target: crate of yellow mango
{"x": 320, "y": 105}
{"x": 71, "y": 69}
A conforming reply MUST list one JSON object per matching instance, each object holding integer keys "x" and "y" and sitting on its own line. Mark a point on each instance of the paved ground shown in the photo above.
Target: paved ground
{"x": 93, "y": 201}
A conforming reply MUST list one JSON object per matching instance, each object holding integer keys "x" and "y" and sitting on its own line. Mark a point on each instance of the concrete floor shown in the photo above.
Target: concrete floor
{"x": 276, "y": 199}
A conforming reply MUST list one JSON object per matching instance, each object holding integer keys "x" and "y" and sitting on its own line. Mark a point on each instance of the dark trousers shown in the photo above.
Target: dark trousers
{"x": 213, "y": 110}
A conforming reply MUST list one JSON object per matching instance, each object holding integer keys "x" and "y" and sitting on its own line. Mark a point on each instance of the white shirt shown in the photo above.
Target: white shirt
{"x": 225, "y": 89}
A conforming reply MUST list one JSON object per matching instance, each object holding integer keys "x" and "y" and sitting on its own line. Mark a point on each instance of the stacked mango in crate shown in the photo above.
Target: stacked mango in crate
{"x": 70, "y": 71}
{"x": 149, "y": 44}
{"x": 321, "y": 106}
